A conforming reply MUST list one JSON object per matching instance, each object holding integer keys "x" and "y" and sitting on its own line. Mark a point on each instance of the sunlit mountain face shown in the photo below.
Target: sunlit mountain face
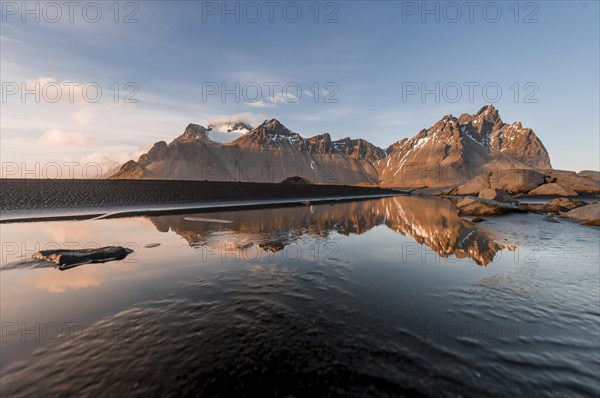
{"x": 453, "y": 149}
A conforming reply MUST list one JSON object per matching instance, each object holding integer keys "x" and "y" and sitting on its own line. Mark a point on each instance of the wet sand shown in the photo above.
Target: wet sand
{"x": 20, "y": 196}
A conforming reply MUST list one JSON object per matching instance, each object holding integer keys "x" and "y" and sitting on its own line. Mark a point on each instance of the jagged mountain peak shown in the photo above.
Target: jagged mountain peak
{"x": 487, "y": 114}
{"x": 274, "y": 126}
{"x": 359, "y": 149}
{"x": 270, "y": 133}
{"x": 458, "y": 146}
{"x": 136, "y": 170}
{"x": 488, "y": 110}
{"x": 445, "y": 124}
{"x": 194, "y": 132}
{"x": 447, "y": 152}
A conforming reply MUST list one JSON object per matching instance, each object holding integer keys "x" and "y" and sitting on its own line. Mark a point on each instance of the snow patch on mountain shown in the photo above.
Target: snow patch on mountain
{"x": 227, "y": 130}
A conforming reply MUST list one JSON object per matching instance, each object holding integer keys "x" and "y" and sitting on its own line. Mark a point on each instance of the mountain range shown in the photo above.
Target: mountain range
{"x": 451, "y": 151}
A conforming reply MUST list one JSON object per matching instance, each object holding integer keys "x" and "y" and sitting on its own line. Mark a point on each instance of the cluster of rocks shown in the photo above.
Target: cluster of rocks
{"x": 498, "y": 192}
{"x": 529, "y": 182}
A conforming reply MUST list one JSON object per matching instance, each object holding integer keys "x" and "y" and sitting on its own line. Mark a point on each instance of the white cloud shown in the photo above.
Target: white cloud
{"x": 57, "y": 139}
{"x": 48, "y": 90}
{"x": 111, "y": 162}
{"x": 94, "y": 165}
{"x": 274, "y": 100}
{"x": 261, "y": 104}
{"x": 83, "y": 116}
{"x": 222, "y": 133}
{"x": 42, "y": 80}
{"x": 250, "y": 118}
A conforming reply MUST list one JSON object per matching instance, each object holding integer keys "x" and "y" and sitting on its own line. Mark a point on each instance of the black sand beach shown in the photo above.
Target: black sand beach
{"x": 35, "y": 194}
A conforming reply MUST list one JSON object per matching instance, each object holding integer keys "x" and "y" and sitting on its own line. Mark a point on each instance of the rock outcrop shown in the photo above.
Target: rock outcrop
{"x": 516, "y": 181}
{"x": 555, "y": 206}
{"x": 296, "y": 180}
{"x": 527, "y": 181}
{"x": 66, "y": 259}
{"x": 510, "y": 181}
{"x": 564, "y": 204}
{"x": 471, "y": 206}
{"x": 594, "y": 175}
{"x": 552, "y": 189}
{"x": 572, "y": 180}
{"x": 495, "y": 194}
{"x": 135, "y": 170}
{"x": 587, "y": 215}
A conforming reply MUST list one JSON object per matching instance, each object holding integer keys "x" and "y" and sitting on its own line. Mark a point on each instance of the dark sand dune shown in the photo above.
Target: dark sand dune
{"x": 36, "y": 195}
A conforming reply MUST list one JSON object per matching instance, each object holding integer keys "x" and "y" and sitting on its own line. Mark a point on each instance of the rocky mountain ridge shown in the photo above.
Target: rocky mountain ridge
{"x": 453, "y": 150}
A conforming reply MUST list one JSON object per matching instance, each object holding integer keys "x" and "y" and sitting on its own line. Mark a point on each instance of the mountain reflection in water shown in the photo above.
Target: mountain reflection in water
{"x": 378, "y": 316}
{"x": 429, "y": 221}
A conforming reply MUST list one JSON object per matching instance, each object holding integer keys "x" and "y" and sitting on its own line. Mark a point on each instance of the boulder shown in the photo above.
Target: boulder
{"x": 472, "y": 187}
{"x": 471, "y": 206}
{"x": 516, "y": 180}
{"x": 71, "y": 258}
{"x": 273, "y": 246}
{"x": 511, "y": 181}
{"x": 588, "y": 215}
{"x": 534, "y": 207}
{"x": 553, "y": 189}
{"x": 495, "y": 194}
{"x": 296, "y": 180}
{"x": 563, "y": 204}
{"x": 593, "y": 174}
{"x": 586, "y": 189}
{"x": 555, "y": 206}
{"x": 592, "y": 223}
{"x": 572, "y": 180}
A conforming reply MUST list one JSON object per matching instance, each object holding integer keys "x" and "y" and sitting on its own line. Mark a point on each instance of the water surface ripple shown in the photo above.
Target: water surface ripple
{"x": 370, "y": 318}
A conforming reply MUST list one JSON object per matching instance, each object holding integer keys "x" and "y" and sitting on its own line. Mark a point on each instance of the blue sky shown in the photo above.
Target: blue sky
{"x": 365, "y": 58}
